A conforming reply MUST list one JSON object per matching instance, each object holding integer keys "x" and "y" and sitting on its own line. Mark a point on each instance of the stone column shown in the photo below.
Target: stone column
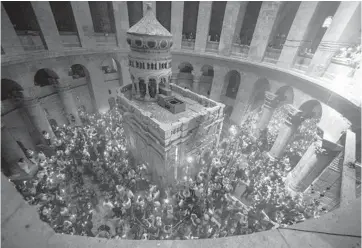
{"x": 271, "y": 102}
{"x": 120, "y": 12}
{"x": 153, "y": 6}
{"x": 137, "y": 87}
{"x": 218, "y": 82}
{"x": 298, "y": 31}
{"x": 245, "y": 91}
{"x": 147, "y": 96}
{"x": 233, "y": 20}
{"x": 197, "y": 74}
{"x": 84, "y": 23}
{"x": 338, "y": 35}
{"x": 157, "y": 89}
{"x": 38, "y": 116}
{"x": 203, "y": 23}
{"x": 318, "y": 156}
{"x": 9, "y": 39}
{"x": 177, "y": 15}
{"x": 70, "y": 107}
{"x": 10, "y": 150}
{"x": 348, "y": 184}
{"x": 286, "y": 132}
{"x": 48, "y": 27}
{"x": 263, "y": 30}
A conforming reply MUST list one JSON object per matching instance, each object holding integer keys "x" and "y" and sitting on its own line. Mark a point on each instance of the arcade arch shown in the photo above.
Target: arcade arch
{"x": 232, "y": 82}
{"x": 45, "y": 77}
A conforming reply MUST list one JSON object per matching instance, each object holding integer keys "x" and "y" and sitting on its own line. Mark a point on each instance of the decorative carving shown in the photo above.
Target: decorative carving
{"x": 271, "y": 100}
{"x": 294, "y": 117}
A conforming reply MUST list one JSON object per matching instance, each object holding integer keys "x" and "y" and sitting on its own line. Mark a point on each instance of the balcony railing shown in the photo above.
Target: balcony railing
{"x": 107, "y": 39}
{"x": 70, "y": 39}
{"x": 272, "y": 55}
{"x": 188, "y": 44}
{"x": 240, "y": 50}
{"x": 31, "y": 40}
{"x": 212, "y": 46}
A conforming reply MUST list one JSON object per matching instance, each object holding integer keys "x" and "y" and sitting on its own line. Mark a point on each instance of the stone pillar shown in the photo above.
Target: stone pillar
{"x": 9, "y": 39}
{"x": 245, "y": 91}
{"x": 120, "y": 12}
{"x": 137, "y": 86}
{"x": 337, "y": 35}
{"x": 263, "y": 30}
{"x": 318, "y": 156}
{"x": 48, "y": 27}
{"x": 203, "y": 23}
{"x": 153, "y": 6}
{"x": 286, "y": 132}
{"x": 70, "y": 107}
{"x": 157, "y": 90}
{"x": 84, "y": 23}
{"x": 348, "y": 185}
{"x": 271, "y": 102}
{"x": 218, "y": 82}
{"x": 147, "y": 96}
{"x": 10, "y": 150}
{"x": 233, "y": 20}
{"x": 177, "y": 15}
{"x": 38, "y": 116}
{"x": 197, "y": 74}
{"x": 297, "y": 33}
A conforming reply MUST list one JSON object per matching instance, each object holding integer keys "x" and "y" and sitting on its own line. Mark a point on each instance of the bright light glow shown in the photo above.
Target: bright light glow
{"x": 233, "y": 130}
{"x": 189, "y": 159}
{"x": 327, "y": 22}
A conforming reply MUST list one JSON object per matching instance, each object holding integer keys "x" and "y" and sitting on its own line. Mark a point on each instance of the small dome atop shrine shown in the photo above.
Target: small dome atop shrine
{"x": 149, "y": 34}
{"x": 149, "y": 26}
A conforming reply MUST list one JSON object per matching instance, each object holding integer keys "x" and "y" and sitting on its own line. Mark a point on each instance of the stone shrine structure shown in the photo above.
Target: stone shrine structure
{"x": 167, "y": 126}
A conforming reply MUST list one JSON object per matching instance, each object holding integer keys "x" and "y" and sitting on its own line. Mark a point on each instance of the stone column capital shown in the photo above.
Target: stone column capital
{"x": 295, "y": 116}
{"x": 271, "y": 100}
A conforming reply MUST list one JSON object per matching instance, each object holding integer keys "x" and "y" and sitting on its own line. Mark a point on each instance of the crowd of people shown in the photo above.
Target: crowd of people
{"x": 89, "y": 184}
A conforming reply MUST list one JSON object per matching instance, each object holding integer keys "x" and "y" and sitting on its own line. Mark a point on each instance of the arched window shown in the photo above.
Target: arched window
{"x": 45, "y": 77}
{"x": 233, "y": 83}
{"x": 10, "y": 90}
{"x": 77, "y": 71}
{"x": 109, "y": 66}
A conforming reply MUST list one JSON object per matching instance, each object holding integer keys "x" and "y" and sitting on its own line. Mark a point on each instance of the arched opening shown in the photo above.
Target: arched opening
{"x": 45, "y": 77}
{"x": 163, "y": 13}
{"x": 216, "y": 20}
{"x": 232, "y": 79}
{"x": 314, "y": 36}
{"x": 112, "y": 72}
{"x": 10, "y": 90}
{"x": 142, "y": 86}
{"x": 185, "y": 77}
{"x": 102, "y": 16}
{"x": 79, "y": 72}
{"x": 285, "y": 94}
{"x": 112, "y": 102}
{"x": 245, "y": 35}
{"x": 135, "y": 12}
{"x": 258, "y": 94}
{"x": 152, "y": 87}
{"x": 311, "y": 109}
{"x": 189, "y": 25}
{"x": 206, "y": 80}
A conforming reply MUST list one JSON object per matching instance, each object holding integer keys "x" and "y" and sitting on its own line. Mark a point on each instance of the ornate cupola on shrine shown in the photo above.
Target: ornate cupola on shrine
{"x": 150, "y": 58}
